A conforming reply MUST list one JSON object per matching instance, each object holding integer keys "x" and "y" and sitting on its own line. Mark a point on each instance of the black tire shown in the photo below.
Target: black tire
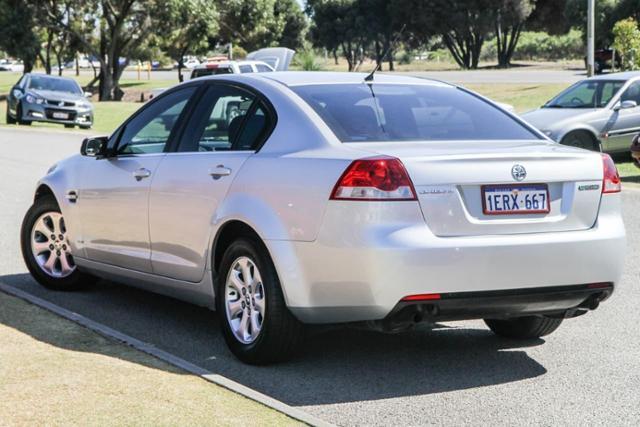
{"x": 85, "y": 127}
{"x": 19, "y": 116}
{"x": 524, "y": 328}
{"x": 281, "y": 333}
{"x": 69, "y": 126}
{"x": 581, "y": 139}
{"x": 10, "y": 120}
{"x": 74, "y": 281}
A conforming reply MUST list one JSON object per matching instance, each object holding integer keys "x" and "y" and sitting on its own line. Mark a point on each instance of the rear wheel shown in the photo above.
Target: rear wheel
{"x": 581, "y": 139}
{"x": 528, "y": 327}
{"x": 255, "y": 320}
{"x": 46, "y": 250}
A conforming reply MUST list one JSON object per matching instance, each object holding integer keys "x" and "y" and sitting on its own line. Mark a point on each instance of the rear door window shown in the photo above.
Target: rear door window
{"x": 227, "y": 119}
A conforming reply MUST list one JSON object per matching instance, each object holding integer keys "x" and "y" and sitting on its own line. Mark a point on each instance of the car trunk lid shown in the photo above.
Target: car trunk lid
{"x": 449, "y": 178}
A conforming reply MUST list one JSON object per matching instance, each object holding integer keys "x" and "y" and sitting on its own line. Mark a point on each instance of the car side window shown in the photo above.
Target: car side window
{"x": 263, "y": 68}
{"x": 226, "y": 120}
{"x": 246, "y": 69}
{"x": 632, "y": 93}
{"x": 150, "y": 130}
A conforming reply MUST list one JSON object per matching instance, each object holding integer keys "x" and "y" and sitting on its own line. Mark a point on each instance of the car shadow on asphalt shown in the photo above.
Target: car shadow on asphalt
{"x": 335, "y": 365}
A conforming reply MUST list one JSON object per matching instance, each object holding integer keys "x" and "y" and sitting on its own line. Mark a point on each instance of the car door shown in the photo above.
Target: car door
{"x": 225, "y": 129}
{"x": 624, "y": 122}
{"x": 16, "y": 93}
{"x": 113, "y": 197}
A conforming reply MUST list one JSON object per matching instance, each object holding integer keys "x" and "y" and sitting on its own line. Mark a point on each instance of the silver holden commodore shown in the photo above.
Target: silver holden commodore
{"x": 600, "y": 113}
{"x": 284, "y": 199}
{"x": 43, "y": 98}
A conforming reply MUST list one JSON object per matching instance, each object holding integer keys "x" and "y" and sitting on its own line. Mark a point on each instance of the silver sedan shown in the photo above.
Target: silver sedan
{"x": 600, "y": 113}
{"x": 284, "y": 199}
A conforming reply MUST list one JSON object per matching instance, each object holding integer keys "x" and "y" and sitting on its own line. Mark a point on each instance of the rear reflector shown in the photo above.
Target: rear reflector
{"x": 611, "y": 182}
{"x": 377, "y": 178}
{"x": 599, "y": 285}
{"x": 421, "y": 297}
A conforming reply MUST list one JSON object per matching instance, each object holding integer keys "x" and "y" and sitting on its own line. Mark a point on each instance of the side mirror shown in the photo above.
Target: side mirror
{"x": 625, "y": 105}
{"x": 94, "y": 146}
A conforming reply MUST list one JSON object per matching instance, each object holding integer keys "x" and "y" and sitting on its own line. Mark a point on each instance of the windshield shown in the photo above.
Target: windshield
{"x": 54, "y": 84}
{"x": 587, "y": 94}
{"x": 387, "y": 112}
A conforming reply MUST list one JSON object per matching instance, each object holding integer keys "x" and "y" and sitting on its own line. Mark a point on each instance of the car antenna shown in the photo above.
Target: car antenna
{"x": 369, "y": 77}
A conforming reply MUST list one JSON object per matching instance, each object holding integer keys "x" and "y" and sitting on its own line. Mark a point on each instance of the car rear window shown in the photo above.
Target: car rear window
{"x": 392, "y": 112}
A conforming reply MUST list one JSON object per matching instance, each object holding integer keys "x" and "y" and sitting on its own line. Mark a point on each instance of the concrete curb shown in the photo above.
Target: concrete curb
{"x": 178, "y": 362}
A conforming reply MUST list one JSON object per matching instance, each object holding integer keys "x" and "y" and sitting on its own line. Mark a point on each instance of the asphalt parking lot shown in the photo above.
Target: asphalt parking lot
{"x": 588, "y": 372}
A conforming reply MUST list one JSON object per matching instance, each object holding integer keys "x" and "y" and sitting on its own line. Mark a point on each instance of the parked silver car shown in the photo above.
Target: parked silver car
{"x": 289, "y": 198}
{"x": 44, "y": 98}
{"x": 600, "y": 113}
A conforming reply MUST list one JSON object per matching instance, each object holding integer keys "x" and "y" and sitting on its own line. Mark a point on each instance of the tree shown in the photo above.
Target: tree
{"x": 626, "y": 41}
{"x": 185, "y": 26}
{"x": 463, "y": 25}
{"x": 18, "y": 31}
{"x": 108, "y": 30}
{"x": 295, "y": 24}
{"x": 338, "y": 25}
{"x": 254, "y": 24}
{"x": 510, "y": 16}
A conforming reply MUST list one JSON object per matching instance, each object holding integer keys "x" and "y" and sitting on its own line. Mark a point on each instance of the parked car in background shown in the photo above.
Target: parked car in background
{"x": 635, "y": 150}
{"x": 603, "y": 60}
{"x": 44, "y": 98}
{"x": 230, "y": 67}
{"x": 282, "y": 199}
{"x": 10, "y": 65}
{"x": 600, "y": 113}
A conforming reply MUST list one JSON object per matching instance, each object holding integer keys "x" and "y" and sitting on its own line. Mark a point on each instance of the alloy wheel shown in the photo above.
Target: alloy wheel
{"x": 50, "y": 246}
{"x": 245, "y": 301}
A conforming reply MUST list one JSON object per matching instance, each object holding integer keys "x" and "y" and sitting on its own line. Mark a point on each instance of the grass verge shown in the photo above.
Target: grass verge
{"x": 56, "y": 372}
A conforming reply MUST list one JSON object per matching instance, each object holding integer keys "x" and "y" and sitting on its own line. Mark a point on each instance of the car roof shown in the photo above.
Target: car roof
{"x": 623, "y": 76}
{"x": 304, "y": 78}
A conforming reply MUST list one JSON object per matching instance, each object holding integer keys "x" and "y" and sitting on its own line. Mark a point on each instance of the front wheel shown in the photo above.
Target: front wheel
{"x": 255, "y": 321}
{"x": 10, "y": 120}
{"x": 46, "y": 249}
{"x": 524, "y": 328}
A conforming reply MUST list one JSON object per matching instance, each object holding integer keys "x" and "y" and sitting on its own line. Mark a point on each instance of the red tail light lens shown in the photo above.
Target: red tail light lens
{"x": 379, "y": 178}
{"x": 422, "y": 297}
{"x": 611, "y": 182}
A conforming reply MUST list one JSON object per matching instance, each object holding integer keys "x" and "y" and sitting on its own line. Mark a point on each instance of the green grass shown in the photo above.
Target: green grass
{"x": 523, "y": 97}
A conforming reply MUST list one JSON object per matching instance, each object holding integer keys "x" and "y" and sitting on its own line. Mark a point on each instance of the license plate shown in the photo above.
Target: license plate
{"x": 515, "y": 199}
{"x": 58, "y": 115}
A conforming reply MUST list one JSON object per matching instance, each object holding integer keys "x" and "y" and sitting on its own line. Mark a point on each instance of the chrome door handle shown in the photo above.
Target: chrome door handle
{"x": 220, "y": 171}
{"x": 141, "y": 173}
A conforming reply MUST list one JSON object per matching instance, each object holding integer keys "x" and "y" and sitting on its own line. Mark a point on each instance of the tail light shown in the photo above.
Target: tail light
{"x": 377, "y": 178}
{"x": 611, "y": 182}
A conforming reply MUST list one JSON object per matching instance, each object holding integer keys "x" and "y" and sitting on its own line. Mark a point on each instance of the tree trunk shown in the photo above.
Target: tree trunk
{"x": 334, "y": 52}
{"x": 379, "y": 54}
{"x": 180, "y": 67}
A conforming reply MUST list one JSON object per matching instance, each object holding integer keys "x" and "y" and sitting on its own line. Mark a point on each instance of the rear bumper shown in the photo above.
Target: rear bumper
{"x": 561, "y": 301}
{"x": 363, "y": 264}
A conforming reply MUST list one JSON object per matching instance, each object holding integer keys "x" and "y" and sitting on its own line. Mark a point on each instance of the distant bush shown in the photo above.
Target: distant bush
{"x": 535, "y": 45}
{"x": 238, "y": 52}
{"x": 405, "y": 58}
{"x": 627, "y": 43}
{"x": 306, "y": 60}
